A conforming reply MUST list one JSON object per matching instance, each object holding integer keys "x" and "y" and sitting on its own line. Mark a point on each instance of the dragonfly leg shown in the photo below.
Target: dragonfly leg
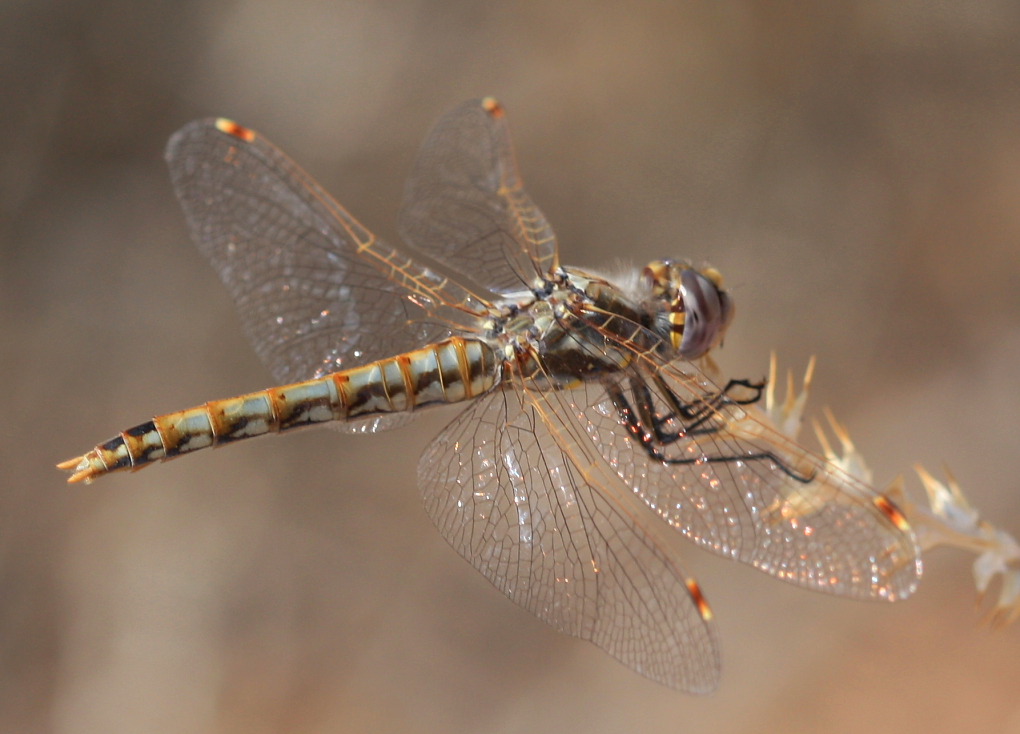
{"x": 692, "y": 417}
{"x": 653, "y": 440}
{"x": 710, "y": 404}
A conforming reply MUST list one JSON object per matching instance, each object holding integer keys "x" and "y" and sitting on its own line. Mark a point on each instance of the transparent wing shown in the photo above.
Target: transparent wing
{"x": 465, "y": 204}
{"x": 315, "y": 290}
{"x": 511, "y": 500}
{"x": 723, "y": 477}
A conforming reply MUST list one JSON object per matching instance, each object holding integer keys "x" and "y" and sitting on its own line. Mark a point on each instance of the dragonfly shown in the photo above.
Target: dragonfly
{"x": 594, "y": 430}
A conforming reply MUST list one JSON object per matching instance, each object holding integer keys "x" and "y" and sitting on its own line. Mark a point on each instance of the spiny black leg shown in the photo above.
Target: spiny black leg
{"x": 751, "y": 457}
{"x": 758, "y": 388}
{"x": 645, "y": 407}
{"x": 646, "y": 414}
{"x": 706, "y": 410}
{"x": 686, "y": 411}
{"x": 632, "y": 421}
{"x": 698, "y": 412}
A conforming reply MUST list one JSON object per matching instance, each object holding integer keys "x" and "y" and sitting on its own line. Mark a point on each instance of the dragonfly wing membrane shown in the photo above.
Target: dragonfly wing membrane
{"x": 465, "y": 204}
{"x": 315, "y": 290}
{"x": 506, "y": 496}
{"x": 738, "y": 488}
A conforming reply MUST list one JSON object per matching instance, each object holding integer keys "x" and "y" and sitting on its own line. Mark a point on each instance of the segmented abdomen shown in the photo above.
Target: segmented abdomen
{"x": 447, "y": 372}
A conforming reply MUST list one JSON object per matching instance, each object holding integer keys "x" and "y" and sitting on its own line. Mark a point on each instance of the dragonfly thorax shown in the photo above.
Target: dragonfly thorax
{"x": 520, "y": 321}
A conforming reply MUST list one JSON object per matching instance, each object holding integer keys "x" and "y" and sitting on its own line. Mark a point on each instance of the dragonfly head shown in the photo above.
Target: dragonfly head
{"x": 689, "y": 305}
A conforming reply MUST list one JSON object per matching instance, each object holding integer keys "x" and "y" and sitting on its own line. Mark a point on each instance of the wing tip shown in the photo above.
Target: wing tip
{"x": 230, "y": 127}
{"x": 195, "y": 129}
{"x": 492, "y": 106}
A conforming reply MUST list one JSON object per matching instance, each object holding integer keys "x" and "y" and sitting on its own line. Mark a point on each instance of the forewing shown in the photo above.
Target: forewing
{"x": 465, "y": 205}
{"x": 511, "y": 500}
{"x": 315, "y": 290}
{"x": 737, "y": 487}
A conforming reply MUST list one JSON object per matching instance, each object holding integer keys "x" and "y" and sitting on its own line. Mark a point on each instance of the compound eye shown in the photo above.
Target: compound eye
{"x": 706, "y": 314}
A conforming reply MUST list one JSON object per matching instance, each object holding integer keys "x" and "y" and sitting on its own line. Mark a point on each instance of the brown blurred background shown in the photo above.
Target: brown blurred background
{"x": 853, "y": 168}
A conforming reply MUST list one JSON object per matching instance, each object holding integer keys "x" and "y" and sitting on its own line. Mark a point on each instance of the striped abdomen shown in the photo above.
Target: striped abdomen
{"x": 448, "y": 372}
